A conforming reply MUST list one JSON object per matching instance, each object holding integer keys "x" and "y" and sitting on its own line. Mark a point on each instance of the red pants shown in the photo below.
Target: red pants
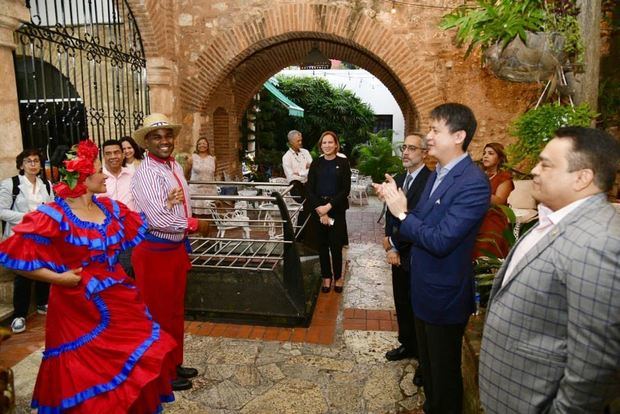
{"x": 161, "y": 275}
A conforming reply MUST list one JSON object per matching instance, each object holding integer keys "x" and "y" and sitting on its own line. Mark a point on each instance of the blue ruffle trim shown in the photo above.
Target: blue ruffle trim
{"x": 95, "y": 390}
{"x": 39, "y": 239}
{"x": 54, "y": 215}
{"x": 99, "y": 243}
{"x": 93, "y": 288}
{"x": 30, "y": 265}
{"x": 85, "y": 224}
{"x": 140, "y": 234}
{"x": 84, "y": 339}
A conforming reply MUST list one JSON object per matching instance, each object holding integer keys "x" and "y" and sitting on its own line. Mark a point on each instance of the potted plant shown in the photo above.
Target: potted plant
{"x": 486, "y": 267}
{"x": 377, "y": 157}
{"x": 535, "y": 128}
{"x": 521, "y": 41}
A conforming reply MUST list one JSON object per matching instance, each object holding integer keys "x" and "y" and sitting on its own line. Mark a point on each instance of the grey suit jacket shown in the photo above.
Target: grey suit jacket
{"x": 551, "y": 341}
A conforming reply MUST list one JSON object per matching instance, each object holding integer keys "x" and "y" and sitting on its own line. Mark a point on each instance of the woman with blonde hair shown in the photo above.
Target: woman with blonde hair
{"x": 201, "y": 167}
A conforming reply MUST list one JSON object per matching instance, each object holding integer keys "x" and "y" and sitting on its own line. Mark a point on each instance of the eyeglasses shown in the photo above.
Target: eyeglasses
{"x": 32, "y": 162}
{"x": 411, "y": 148}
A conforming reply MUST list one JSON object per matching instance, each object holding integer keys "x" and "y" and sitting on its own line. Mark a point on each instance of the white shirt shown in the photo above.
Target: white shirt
{"x": 119, "y": 187}
{"x": 296, "y": 164}
{"x": 546, "y": 221}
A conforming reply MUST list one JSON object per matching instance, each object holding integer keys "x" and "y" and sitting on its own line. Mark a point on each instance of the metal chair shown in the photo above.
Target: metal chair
{"x": 359, "y": 190}
{"x": 231, "y": 220}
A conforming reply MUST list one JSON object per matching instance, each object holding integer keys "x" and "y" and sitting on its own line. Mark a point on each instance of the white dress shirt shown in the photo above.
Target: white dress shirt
{"x": 296, "y": 164}
{"x": 547, "y": 219}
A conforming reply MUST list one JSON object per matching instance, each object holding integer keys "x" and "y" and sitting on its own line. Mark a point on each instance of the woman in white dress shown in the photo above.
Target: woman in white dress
{"x": 201, "y": 167}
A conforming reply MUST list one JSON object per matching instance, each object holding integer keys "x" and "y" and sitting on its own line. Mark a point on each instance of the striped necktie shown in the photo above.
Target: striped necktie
{"x": 407, "y": 183}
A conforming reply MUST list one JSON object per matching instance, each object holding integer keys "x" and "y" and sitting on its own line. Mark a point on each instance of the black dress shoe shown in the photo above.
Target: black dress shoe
{"x": 417, "y": 379}
{"x": 326, "y": 289}
{"x": 181, "y": 384}
{"x": 399, "y": 353}
{"x": 185, "y": 372}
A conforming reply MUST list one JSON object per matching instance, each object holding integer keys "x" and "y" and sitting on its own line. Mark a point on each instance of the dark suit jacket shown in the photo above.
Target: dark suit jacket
{"x": 443, "y": 230}
{"x": 340, "y": 201}
{"x": 392, "y": 223}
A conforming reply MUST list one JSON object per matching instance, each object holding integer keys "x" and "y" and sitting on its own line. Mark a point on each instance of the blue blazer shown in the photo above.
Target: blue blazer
{"x": 443, "y": 230}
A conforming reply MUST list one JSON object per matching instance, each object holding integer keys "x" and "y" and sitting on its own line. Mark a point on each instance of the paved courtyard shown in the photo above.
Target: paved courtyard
{"x": 334, "y": 366}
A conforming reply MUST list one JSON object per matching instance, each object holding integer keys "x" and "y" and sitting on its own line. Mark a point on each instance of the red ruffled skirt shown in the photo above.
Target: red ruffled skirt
{"x": 104, "y": 353}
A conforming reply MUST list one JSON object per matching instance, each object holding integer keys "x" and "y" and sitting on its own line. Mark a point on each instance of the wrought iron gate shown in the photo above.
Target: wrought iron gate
{"x": 81, "y": 72}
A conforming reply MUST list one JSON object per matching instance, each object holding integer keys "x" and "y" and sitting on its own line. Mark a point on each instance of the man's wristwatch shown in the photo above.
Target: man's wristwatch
{"x": 402, "y": 216}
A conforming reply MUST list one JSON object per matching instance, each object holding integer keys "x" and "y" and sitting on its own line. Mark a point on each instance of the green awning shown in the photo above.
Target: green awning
{"x": 293, "y": 108}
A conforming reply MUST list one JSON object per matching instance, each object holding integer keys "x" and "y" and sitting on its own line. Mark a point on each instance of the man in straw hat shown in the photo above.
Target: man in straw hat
{"x": 161, "y": 262}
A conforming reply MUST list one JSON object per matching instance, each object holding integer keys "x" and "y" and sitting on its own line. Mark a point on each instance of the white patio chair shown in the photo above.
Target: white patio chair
{"x": 231, "y": 220}
{"x": 359, "y": 190}
{"x": 354, "y": 174}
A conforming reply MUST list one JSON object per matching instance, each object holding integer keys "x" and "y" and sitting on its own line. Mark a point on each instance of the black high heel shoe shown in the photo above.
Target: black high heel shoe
{"x": 338, "y": 289}
{"x": 326, "y": 289}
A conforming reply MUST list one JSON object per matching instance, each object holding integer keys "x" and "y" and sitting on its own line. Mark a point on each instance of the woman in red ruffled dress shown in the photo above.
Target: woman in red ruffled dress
{"x": 103, "y": 352}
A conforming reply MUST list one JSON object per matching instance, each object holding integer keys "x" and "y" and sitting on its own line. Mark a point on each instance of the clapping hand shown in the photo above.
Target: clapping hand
{"x": 394, "y": 197}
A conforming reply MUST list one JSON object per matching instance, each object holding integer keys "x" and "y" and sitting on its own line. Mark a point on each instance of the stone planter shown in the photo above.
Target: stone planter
{"x": 535, "y": 60}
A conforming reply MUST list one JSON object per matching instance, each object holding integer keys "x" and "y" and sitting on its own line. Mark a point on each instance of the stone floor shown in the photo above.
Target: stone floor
{"x": 343, "y": 371}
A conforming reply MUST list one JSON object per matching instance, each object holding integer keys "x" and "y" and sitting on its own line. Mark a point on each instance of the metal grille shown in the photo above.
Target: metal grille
{"x": 81, "y": 72}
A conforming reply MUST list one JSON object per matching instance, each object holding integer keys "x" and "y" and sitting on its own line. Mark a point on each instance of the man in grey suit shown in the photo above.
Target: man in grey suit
{"x": 551, "y": 341}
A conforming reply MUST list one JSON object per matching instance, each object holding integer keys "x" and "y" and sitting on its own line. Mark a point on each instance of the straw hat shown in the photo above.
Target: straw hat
{"x": 153, "y": 122}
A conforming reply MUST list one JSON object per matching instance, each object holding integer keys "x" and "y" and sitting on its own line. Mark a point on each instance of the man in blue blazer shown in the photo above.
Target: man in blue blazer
{"x": 443, "y": 229}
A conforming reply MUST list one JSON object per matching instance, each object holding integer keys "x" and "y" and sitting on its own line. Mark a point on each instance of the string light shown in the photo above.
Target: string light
{"x": 393, "y": 11}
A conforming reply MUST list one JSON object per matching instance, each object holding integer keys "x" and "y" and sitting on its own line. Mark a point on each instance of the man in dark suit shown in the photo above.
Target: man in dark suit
{"x": 412, "y": 181}
{"x": 443, "y": 230}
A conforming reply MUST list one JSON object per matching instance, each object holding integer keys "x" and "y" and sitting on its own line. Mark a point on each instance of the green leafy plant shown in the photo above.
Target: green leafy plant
{"x": 535, "y": 128}
{"x": 376, "y": 157}
{"x": 609, "y": 102}
{"x": 325, "y": 108}
{"x": 486, "y": 267}
{"x": 494, "y": 21}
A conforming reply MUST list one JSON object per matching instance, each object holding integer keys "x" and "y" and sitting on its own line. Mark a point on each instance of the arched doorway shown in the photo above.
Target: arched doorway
{"x": 243, "y": 81}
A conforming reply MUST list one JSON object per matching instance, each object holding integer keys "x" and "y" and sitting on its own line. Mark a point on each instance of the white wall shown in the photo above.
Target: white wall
{"x": 366, "y": 86}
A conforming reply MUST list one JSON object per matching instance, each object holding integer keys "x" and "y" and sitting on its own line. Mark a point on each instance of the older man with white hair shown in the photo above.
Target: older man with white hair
{"x": 296, "y": 161}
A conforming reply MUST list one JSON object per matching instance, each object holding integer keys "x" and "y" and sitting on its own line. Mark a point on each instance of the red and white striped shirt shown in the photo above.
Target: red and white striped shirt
{"x": 150, "y": 186}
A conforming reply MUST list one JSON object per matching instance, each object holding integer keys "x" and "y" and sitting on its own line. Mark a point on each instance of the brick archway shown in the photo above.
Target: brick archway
{"x": 255, "y": 49}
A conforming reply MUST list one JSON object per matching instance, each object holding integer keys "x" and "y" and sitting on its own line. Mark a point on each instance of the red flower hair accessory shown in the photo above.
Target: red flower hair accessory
{"x": 79, "y": 165}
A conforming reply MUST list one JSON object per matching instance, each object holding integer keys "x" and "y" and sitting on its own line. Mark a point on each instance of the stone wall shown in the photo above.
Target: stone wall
{"x": 224, "y": 50}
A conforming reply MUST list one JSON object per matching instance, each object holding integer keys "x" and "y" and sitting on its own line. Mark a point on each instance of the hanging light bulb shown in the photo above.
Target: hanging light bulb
{"x": 393, "y": 11}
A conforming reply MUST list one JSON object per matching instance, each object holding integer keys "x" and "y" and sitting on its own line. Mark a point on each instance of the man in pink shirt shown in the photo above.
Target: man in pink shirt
{"x": 119, "y": 178}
